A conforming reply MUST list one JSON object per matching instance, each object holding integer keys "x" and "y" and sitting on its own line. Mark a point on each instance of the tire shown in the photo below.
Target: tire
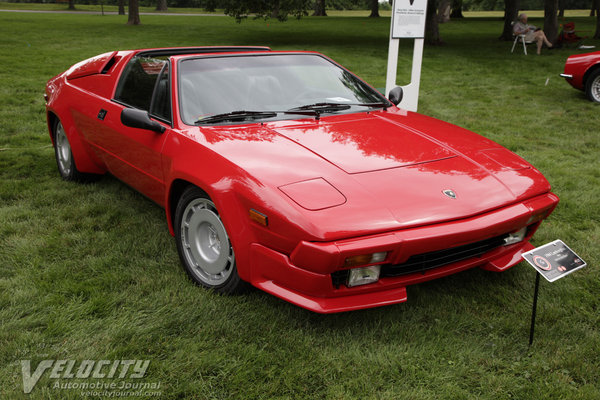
{"x": 592, "y": 86}
{"x": 203, "y": 245}
{"x": 64, "y": 158}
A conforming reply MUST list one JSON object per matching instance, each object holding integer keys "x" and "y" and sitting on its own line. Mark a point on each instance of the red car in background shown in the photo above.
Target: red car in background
{"x": 582, "y": 71}
{"x": 286, "y": 171}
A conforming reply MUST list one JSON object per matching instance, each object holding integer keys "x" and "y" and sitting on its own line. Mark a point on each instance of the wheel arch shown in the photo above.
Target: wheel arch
{"x": 51, "y": 118}
{"x": 84, "y": 160}
{"x": 176, "y": 189}
{"x": 228, "y": 204}
{"x": 589, "y": 72}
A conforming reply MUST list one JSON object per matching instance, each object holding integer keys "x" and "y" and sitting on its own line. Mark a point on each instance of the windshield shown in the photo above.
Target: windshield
{"x": 220, "y": 85}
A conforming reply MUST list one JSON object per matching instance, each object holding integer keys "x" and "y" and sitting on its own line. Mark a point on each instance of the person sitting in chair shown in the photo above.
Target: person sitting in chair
{"x": 532, "y": 34}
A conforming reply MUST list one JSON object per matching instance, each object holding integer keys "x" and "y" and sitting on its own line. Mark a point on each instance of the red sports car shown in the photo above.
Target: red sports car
{"x": 286, "y": 171}
{"x": 582, "y": 71}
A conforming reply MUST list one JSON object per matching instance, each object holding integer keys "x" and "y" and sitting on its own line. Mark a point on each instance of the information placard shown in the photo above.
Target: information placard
{"x": 554, "y": 260}
{"x": 408, "y": 19}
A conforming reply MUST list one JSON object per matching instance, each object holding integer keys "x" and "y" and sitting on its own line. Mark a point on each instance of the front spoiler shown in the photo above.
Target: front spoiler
{"x": 304, "y": 278}
{"x": 385, "y": 292}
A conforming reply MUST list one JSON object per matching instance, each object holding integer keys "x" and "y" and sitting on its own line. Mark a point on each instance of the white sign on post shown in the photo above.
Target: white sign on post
{"x": 554, "y": 260}
{"x": 408, "y": 21}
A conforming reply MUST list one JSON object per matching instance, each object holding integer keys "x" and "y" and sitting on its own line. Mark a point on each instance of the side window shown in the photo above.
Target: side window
{"x": 160, "y": 106}
{"x": 138, "y": 81}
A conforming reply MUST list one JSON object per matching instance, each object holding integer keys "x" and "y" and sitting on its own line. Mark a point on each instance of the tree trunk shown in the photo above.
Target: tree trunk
{"x": 134, "y": 13}
{"x": 457, "y": 9}
{"x": 511, "y": 12}
{"x": 374, "y": 9}
{"x": 71, "y": 4}
{"x": 121, "y": 7}
{"x": 562, "y": 4}
{"x": 551, "y": 19}
{"x": 275, "y": 10}
{"x": 319, "y": 9}
{"x": 210, "y": 6}
{"x": 432, "y": 30}
{"x": 444, "y": 11}
{"x": 161, "y": 5}
{"x": 597, "y": 5}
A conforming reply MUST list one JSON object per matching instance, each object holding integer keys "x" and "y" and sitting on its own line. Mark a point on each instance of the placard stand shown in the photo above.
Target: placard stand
{"x": 410, "y": 100}
{"x": 534, "y": 309}
{"x": 408, "y": 21}
{"x": 553, "y": 260}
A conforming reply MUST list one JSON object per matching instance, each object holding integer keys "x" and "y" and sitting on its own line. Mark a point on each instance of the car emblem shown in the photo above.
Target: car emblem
{"x": 450, "y": 193}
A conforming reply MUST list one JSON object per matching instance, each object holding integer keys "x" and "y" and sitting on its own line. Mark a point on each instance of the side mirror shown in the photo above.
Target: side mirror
{"x": 395, "y": 95}
{"x": 140, "y": 119}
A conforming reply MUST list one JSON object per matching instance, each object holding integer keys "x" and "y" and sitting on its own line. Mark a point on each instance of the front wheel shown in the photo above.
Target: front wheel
{"x": 592, "y": 86}
{"x": 203, "y": 244}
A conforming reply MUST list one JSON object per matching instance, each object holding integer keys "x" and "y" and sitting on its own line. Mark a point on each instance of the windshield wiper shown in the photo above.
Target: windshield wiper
{"x": 380, "y": 104}
{"x": 315, "y": 109}
{"x": 236, "y": 116}
{"x": 328, "y": 107}
{"x": 322, "y": 107}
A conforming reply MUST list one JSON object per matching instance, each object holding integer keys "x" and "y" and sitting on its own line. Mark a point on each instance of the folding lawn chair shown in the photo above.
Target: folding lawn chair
{"x": 568, "y": 36}
{"x": 520, "y": 38}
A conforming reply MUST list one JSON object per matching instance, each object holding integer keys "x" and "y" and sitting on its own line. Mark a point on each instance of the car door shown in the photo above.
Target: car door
{"x": 134, "y": 155}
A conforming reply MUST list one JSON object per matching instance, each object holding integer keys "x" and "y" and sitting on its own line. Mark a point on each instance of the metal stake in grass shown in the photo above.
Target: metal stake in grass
{"x": 533, "y": 311}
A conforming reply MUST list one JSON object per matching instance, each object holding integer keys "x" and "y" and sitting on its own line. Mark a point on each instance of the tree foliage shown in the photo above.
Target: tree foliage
{"x": 280, "y": 9}
{"x": 498, "y": 5}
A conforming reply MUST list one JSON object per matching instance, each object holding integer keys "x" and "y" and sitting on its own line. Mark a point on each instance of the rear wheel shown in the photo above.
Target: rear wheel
{"x": 592, "y": 86}
{"x": 204, "y": 247}
{"x": 64, "y": 157}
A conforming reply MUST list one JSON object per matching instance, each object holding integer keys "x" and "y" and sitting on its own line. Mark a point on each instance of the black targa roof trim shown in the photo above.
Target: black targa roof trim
{"x": 199, "y": 50}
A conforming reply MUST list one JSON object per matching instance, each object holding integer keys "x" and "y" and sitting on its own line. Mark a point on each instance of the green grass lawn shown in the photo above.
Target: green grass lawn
{"x": 91, "y": 272}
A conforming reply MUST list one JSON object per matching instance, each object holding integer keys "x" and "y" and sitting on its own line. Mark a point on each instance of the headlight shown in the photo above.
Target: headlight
{"x": 515, "y": 237}
{"x": 363, "y": 276}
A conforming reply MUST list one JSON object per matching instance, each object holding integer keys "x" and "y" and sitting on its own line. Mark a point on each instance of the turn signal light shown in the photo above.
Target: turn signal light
{"x": 538, "y": 216}
{"x": 258, "y": 217}
{"x": 365, "y": 259}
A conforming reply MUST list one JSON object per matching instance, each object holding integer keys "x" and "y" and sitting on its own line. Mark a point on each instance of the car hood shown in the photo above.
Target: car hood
{"x": 368, "y": 172}
{"x": 366, "y": 144}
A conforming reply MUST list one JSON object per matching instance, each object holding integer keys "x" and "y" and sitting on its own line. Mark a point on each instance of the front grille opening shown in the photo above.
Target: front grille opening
{"x": 434, "y": 259}
{"x": 426, "y": 261}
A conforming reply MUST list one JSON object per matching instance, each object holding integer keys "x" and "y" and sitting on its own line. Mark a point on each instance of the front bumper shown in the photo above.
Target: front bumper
{"x": 574, "y": 80}
{"x": 305, "y": 277}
